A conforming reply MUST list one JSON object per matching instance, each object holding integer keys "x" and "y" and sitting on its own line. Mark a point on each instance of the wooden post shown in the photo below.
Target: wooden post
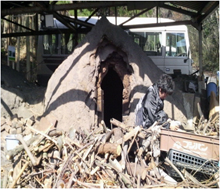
{"x": 76, "y": 32}
{"x": 116, "y": 14}
{"x": 18, "y": 47}
{"x": 201, "y": 82}
{"x": 8, "y": 40}
{"x": 27, "y": 53}
{"x": 200, "y": 50}
{"x": 36, "y": 45}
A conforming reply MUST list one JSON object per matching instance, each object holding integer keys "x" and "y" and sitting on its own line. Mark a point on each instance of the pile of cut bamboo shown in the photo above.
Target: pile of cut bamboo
{"x": 123, "y": 157}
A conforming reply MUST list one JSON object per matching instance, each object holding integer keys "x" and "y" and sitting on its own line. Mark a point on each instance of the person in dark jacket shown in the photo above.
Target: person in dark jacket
{"x": 153, "y": 103}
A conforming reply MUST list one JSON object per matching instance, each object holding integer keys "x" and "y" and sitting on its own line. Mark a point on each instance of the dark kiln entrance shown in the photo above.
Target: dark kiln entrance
{"x": 113, "y": 88}
{"x": 113, "y": 84}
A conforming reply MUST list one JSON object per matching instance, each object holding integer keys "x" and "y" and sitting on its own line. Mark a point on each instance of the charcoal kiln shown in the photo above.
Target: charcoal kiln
{"x": 102, "y": 79}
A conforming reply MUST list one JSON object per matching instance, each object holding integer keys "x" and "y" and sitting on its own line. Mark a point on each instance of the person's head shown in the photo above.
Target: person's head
{"x": 165, "y": 85}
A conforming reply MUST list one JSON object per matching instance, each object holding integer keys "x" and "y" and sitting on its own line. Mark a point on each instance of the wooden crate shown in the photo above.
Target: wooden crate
{"x": 197, "y": 145}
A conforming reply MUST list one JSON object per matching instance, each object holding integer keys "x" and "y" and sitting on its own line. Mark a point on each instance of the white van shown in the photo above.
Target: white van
{"x": 167, "y": 46}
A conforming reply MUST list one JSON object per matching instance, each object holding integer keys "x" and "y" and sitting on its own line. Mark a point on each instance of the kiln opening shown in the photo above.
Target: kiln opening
{"x": 112, "y": 87}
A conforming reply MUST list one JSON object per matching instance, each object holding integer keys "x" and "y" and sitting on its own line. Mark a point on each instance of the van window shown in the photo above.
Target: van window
{"x": 150, "y": 42}
{"x": 139, "y": 38}
{"x": 50, "y": 44}
{"x": 175, "y": 44}
{"x": 153, "y": 43}
{"x": 66, "y": 43}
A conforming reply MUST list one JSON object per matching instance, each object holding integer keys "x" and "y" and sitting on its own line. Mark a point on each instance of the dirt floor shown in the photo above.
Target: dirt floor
{"x": 18, "y": 96}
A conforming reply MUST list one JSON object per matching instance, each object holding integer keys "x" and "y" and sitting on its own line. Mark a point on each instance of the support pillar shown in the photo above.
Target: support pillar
{"x": 200, "y": 50}
{"x": 28, "y": 66}
{"x": 157, "y": 13}
{"x": 201, "y": 82}
{"x": 116, "y": 15}
{"x": 18, "y": 47}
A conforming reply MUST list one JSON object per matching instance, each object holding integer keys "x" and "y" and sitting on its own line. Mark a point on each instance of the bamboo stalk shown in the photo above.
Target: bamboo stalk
{"x": 133, "y": 139}
{"x": 154, "y": 186}
{"x": 43, "y": 134}
{"x": 88, "y": 151}
{"x": 193, "y": 179}
{"x": 118, "y": 123}
{"x": 22, "y": 170}
{"x": 174, "y": 167}
{"x": 14, "y": 152}
{"x": 88, "y": 185}
{"x": 128, "y": 135}
{"x": 31, "y": 156}
{"x": 68, "y": 185}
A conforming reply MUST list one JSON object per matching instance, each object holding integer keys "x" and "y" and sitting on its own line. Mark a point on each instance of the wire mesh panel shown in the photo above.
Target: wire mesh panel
{"x": 183, "y": 160}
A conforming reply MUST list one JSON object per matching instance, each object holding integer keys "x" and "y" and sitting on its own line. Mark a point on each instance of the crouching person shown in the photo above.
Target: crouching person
{"x": 152, "y": 104}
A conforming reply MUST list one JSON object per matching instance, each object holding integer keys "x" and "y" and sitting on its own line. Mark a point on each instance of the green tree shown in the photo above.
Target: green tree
{"x": 211, "y": 42}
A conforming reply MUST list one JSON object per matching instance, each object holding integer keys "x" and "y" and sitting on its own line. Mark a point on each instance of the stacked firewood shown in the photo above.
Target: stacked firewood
{"x": 125, "y": 156}
{"x": 208, "y": 127}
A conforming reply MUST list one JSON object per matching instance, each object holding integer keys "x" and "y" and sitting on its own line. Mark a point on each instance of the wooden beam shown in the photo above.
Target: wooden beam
{"x": 211, "y": 7}
{"x": 136, "y": 15}
{"x": 82, "y": 23}
{"x": 186, "y": 22}
{"x": 46, "y": 32}
{"x": 179, "y": 10}
{"x": 86, "y": 21}
{"x": 61, "y": 7}
{"x": 62, "y": 20}
{"x": 17, "y": 24}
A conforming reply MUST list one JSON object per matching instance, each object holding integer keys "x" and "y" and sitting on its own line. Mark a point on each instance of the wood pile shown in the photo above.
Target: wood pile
{"x": 101, "y": 158}
{"x": 208, "y": 127}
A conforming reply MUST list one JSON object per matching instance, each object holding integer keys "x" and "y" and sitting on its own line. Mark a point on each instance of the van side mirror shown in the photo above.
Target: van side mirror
{"x": 185, "y": 60}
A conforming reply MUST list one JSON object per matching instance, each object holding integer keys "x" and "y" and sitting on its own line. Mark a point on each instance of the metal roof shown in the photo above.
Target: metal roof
{"x": 197, "y": 11}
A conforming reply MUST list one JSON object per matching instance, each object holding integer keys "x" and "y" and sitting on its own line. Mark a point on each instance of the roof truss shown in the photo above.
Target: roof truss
{"x": 196, "y": 10}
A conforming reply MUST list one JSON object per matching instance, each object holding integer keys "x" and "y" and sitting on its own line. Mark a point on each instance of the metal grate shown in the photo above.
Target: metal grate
{"x": 183, "y": 160}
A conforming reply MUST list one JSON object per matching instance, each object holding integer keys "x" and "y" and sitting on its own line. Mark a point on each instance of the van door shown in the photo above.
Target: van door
{"x": 154, "y": 47}
{"x": 176, "y": 54}
{"x": 151, "y": 42}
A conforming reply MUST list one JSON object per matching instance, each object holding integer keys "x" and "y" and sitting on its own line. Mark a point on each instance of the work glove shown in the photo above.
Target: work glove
{"x": 174, "y": 125}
